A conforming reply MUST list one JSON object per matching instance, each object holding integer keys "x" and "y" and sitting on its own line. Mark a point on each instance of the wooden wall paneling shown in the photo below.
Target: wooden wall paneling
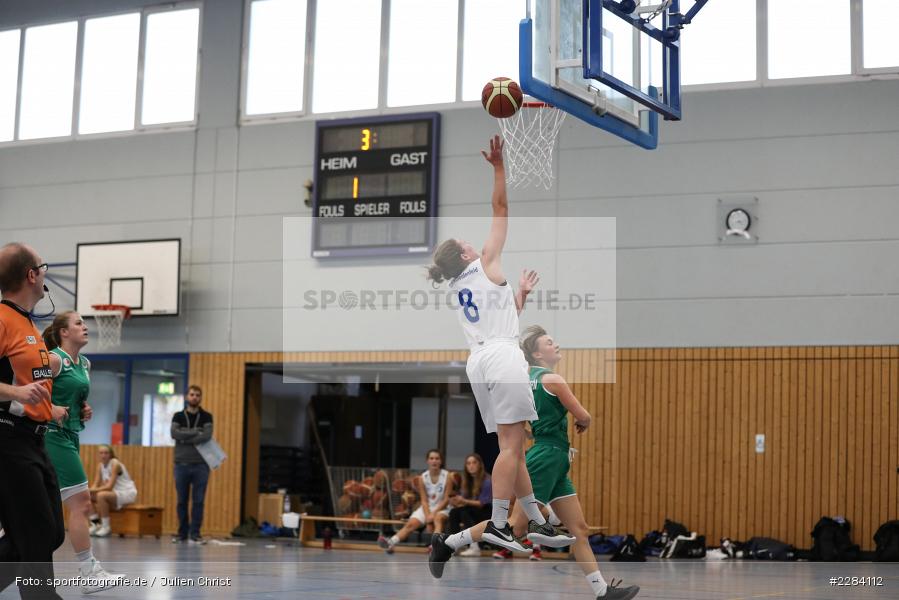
{"x": 682, "y": 442}
{"x": 866, "y": 480}
{"x": 893, "y": 437}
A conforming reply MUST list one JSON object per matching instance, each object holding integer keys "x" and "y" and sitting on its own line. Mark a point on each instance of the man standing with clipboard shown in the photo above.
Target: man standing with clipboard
{"x": 191, "y": 427}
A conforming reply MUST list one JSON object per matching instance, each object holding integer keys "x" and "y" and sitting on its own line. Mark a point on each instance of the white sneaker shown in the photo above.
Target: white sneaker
{"x": 102, "y": 532}
{"x": 98, "y": 579}
{"x": 472, "y": 550}
{"x": 93, "y": 528}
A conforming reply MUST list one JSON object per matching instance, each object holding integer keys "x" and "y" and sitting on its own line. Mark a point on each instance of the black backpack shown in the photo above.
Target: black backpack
{"x": 887, "y": 540}
{"x": 651, "y": 544}
{"x": 671, "y": 530}
{"x": 832, "y": 541}
{"x": 629, "y": 551}
{"x": 762, "y": 548}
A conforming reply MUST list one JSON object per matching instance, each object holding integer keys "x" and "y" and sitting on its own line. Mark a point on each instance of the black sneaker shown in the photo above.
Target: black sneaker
{"x": 504, "y": 538}
{"x": 547, "y": 535}
{"x": 197, "y": 540}
{"x": 438, "y": 554}
{"x": 613, "y": 592}
{"x": 178, "y": 539}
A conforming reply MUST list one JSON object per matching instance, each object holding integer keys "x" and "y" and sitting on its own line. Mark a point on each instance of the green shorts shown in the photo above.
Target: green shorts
{"x": 548, "y": 467}
{"x": 62, "y": 447}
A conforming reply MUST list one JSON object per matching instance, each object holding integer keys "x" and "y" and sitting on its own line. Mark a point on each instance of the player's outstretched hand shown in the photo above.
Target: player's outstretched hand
{"x": 528, "y": 281}
{"x": 495, "y": 157}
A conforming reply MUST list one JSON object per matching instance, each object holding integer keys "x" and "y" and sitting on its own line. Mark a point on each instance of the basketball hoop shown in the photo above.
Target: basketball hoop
{"x": 109, "y": 319}
{"x": 530, "y": 136}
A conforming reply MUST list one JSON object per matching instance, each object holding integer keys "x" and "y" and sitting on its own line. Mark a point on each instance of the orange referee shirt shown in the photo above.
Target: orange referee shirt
{"x": 23, "y": 356}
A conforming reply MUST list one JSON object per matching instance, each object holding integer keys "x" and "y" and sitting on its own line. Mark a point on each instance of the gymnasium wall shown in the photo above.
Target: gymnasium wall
{"x": 820, "y": 159}
{"x": 674, "y": 437}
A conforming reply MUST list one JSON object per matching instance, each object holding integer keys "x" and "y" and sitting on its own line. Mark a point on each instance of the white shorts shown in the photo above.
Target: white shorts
{"x": 419, "y": 514}
{"x": 498, "y": 374}
{"x": 123, "y": 499}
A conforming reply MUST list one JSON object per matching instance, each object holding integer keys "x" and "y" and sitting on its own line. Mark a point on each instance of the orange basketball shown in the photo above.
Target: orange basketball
{"x": 501, "y": 97}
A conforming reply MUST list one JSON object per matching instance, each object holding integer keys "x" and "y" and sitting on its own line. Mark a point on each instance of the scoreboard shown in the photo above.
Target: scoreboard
{"x": 375, "y": 186}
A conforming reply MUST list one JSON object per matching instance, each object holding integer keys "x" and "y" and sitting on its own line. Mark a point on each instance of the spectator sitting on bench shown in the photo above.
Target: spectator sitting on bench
{"x": 113, "y": 489}
{"x": 434, "y": 488}
{"x": 473, "y": 504}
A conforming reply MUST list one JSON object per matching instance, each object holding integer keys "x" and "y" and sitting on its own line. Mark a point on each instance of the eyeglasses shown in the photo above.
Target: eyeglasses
{"x": 41, "y": 267}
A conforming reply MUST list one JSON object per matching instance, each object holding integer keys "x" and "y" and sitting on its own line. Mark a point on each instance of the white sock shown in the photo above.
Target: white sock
{"x": 394, "y": 540}
{"x": 553, "y": 519}
{"x": 457, "y": 540}
{"x": 500, "y": 514}
{"x": 532, "y": 509}
{"x": 86, "y": 560}
{"x": 597, "y": 583}
{"x": 105, "y": 521}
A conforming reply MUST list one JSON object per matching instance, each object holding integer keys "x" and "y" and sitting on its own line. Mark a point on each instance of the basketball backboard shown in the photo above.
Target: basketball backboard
{"x": 142, "y": 275}
{"x": 612, "y": 64}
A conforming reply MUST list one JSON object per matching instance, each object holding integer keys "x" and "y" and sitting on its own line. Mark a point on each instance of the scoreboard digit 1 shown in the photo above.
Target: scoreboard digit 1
{"x": 375, "y": 186}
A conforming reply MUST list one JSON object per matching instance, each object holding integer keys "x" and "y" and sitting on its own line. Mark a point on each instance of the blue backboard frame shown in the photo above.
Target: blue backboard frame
{"x": 541, "y": 90}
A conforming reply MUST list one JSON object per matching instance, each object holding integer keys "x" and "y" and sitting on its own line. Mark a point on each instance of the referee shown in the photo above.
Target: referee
{"x": 30, "y": 509}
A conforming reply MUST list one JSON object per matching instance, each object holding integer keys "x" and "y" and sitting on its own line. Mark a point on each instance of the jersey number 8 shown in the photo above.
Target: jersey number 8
{"x": 468, "y": 307}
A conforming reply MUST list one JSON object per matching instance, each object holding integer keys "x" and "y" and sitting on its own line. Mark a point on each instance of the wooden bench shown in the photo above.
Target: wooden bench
{"x": 307, "y": 536}
{"x": 137, "y": 519}
{"x": 307, "y": 532}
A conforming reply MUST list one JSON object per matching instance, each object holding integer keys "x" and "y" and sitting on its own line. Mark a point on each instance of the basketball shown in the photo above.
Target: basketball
{"x": 501, "y": 97}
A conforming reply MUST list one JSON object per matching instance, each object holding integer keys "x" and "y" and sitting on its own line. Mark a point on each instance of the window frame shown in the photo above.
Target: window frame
{"x": 129, "y": 359}
{"x": 79, "y": 61}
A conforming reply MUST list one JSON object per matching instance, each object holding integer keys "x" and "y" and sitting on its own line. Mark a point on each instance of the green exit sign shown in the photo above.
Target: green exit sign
{"x": 166, "y": 388}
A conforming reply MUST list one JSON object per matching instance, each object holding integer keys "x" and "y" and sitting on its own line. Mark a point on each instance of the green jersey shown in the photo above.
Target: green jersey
{"x": 551, "y": 428}
{"x": 71, "y": 387}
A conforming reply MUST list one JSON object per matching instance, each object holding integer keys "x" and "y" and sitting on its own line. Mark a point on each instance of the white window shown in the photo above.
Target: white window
{"x": 170, "y": 67}
{"x": 277, "y": 56}
{"x": 48, "y": 81}
{"x": 490, "y": 47}
{"x": 347, "y": 55}
{"x": 9, "y": 82}
{"x": 880, "y": 24}
{"x": 421, "y": 67}
{"x": 109, "y": 73}
{"x": 720, "y": 44}
{"x": 808, "y": 38}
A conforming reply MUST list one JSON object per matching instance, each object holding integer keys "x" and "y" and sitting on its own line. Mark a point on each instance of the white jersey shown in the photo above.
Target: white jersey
{"x": 486, "y": 310}
{"x": 434, "y": 491}
{"x": 123, "y": 482}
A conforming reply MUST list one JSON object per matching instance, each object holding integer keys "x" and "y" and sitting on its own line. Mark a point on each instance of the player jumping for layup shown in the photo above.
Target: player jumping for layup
{"x": 496, "y": 367}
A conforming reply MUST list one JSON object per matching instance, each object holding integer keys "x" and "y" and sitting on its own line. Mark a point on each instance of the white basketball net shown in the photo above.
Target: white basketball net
{"x": 109, "y": 327}
{"x": 530, "y": 136}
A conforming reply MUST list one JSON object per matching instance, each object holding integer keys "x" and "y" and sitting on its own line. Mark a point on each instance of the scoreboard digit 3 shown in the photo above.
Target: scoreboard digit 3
{"x": 375, "y": 186}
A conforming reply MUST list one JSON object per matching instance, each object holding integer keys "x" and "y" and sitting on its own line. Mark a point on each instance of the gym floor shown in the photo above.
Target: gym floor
{"x": 266, "y": 569}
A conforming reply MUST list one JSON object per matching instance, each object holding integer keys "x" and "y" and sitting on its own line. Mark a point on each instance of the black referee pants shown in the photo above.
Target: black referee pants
{"x": 30, "y": 514}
